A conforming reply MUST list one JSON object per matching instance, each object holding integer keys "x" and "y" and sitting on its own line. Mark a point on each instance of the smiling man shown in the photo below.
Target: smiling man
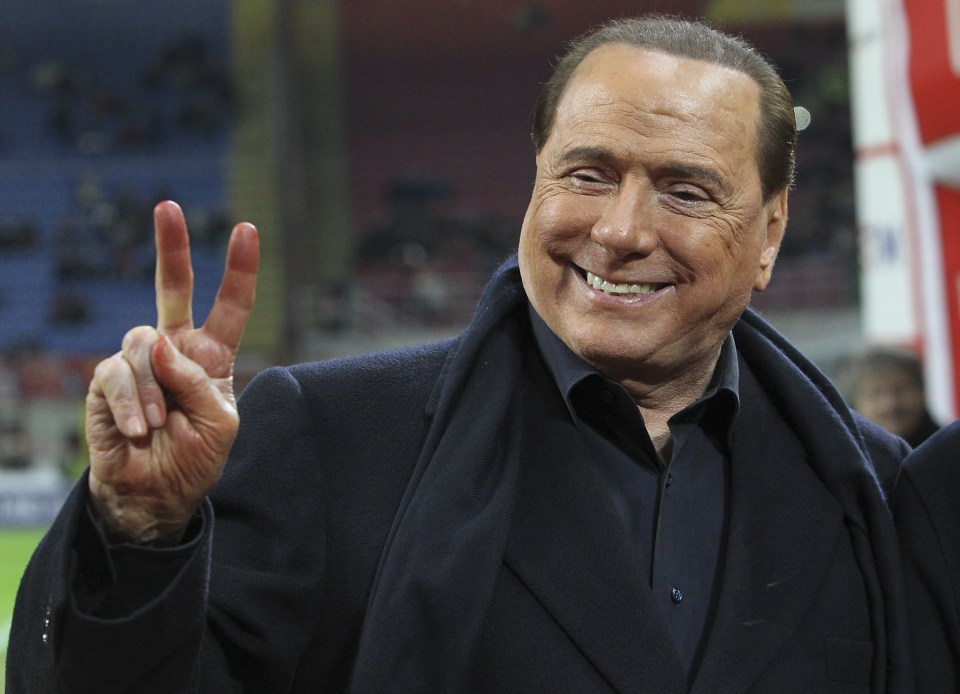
{"x": 649, "y": 226}
{"x": 618, "y": 478}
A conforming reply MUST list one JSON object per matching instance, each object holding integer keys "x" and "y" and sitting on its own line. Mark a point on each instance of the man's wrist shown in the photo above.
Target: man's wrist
{"x": 124, "y": 523}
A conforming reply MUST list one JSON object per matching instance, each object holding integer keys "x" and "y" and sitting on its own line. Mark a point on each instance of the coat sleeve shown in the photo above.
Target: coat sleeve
{"x": 233, "y": 609}
{"x": 56, "y": 636}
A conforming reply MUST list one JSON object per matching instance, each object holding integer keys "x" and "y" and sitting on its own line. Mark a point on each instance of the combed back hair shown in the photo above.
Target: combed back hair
{"x": 777, "y": 129}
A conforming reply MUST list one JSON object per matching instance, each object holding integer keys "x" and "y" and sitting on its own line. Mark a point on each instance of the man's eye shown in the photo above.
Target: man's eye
{"x": 586, "y": 177}
{"x": 590, "y": 180}
{"x": 689, "y": 194}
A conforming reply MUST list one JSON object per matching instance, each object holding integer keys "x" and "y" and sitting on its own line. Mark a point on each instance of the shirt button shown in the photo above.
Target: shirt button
{"x": 676, "y": 596}
{"x": 669, "y": 481}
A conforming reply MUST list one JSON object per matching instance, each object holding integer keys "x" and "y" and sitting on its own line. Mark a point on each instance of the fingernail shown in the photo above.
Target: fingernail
{"x": 135, "y": 427}
{"x": 154, "y": 416}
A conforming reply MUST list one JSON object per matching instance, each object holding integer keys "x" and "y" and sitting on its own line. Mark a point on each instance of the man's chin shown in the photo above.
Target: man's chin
{"x": 605, "y": 355}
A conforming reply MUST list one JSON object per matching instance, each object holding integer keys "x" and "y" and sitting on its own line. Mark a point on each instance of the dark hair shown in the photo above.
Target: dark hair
{"x": 776, "y": 130}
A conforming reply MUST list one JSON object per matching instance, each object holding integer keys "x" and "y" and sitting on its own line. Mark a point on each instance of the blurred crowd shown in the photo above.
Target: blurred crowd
{"x": 426, "y": 261}
{"x": 184, "y": 89}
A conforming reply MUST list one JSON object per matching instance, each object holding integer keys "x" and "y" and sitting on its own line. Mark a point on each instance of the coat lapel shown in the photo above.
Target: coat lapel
{"x": 569, "y": 548}
{"x": 783, "y": 530}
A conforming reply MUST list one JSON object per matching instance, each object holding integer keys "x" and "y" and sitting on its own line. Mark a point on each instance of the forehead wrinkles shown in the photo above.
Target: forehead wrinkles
{"x": 622, "y": 125}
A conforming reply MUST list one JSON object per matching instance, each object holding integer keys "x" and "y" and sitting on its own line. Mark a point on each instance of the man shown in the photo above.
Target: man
{"x": 613, "y": 480}
{"x": 928, "y": 521}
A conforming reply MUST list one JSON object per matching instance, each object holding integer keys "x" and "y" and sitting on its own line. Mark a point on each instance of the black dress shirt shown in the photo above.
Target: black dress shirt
{"x": 675, "y": 513}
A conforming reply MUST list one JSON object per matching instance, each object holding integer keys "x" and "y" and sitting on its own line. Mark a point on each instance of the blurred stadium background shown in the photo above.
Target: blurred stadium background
{"x": 381, "y": 148}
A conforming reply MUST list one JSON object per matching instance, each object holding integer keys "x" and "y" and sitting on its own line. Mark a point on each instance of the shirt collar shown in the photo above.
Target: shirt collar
{"x": 568, "y": 370}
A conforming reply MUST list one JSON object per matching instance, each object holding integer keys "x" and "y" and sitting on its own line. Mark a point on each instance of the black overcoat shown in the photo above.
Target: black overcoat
{"x": 425, "y": 520}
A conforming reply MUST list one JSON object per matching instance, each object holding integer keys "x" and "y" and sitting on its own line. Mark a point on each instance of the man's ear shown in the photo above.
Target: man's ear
{"x": 775, "y": 211}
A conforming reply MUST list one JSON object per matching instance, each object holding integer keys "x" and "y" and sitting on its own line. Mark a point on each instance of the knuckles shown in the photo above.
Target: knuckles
{"x": 139, "y": 340}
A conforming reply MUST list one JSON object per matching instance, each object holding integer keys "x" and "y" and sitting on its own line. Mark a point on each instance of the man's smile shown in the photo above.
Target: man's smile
{"x": 619, "y": 288}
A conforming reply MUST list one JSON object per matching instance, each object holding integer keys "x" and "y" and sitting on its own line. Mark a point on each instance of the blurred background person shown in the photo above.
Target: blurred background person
{"x": 886, "y": 384}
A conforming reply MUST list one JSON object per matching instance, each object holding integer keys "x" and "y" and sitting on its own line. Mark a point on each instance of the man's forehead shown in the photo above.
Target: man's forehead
{"x": 614, "y": 62}
{"x": 657, "y": 92}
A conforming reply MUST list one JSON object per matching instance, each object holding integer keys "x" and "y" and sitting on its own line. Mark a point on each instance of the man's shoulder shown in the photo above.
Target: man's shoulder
{"x": 412, "y": 361}
{"x": 885, "y": 451}
{"x": 408, "y": 365}
{"x": 343, "y": 403}
{"x": 878, "y": 438}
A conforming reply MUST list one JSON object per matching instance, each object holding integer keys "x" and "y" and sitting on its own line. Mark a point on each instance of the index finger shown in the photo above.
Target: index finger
{"x": 228, "y": 317}
{"x": 174, "y": 274}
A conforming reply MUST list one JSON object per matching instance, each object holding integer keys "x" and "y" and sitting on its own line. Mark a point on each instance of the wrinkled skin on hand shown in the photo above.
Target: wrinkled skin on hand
{"x": 161, "y": 414}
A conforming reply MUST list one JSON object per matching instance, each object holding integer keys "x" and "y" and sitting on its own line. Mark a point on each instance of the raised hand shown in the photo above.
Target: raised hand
{"x": 161, "y": 413}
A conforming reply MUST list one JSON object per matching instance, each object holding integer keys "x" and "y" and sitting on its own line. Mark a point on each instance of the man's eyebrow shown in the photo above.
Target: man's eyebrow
{"x": 586, "y": 154}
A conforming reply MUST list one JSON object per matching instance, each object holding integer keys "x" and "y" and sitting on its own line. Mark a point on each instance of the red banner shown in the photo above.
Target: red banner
{"x": 934, "y": 74}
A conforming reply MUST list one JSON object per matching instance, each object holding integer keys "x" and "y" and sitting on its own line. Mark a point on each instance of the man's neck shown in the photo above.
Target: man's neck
{"x": 659, "y": 402}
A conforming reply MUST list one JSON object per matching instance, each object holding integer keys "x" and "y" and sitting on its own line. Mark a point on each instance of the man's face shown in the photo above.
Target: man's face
{"x": 646, "y": 231}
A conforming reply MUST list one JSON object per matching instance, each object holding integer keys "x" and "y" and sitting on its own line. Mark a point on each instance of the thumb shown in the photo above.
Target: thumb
{"x": 187, "y": 383}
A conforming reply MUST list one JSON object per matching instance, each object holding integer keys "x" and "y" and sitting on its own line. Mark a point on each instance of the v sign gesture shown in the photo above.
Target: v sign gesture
{"x": 161, "y": 414}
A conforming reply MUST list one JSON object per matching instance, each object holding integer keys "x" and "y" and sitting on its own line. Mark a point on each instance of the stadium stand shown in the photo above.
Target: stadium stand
{"x": 96, "y": 127}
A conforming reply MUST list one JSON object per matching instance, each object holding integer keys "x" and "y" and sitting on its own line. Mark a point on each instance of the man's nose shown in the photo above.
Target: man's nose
{"x": 626, "y": 226}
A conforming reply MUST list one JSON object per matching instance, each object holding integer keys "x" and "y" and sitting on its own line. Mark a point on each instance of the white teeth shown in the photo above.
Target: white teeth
{"x": 610, "y": 288}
